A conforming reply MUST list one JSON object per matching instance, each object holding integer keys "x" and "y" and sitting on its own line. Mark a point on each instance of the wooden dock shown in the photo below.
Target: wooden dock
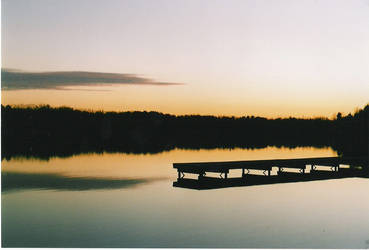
{"x": 333, "y": 168}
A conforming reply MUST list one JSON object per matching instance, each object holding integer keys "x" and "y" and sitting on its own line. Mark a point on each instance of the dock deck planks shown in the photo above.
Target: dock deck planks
{"x": 201, "y": 168}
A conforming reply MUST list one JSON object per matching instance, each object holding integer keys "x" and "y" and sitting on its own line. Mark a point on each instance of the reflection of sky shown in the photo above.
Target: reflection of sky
{"x": 150, "y": 165}
{"x": 114, "y": 171}
{"x": 19, "y": 181}
{"x": 236, "y": 57}
{"x": 299, "y": 215}
{"x": 320, "y": 214}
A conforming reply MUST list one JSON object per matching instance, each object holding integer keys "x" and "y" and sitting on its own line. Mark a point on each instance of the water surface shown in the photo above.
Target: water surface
{"x": 127, "y": 200}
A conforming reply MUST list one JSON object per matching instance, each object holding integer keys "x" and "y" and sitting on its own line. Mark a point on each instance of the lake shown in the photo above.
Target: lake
{"x": 127, "y": 200}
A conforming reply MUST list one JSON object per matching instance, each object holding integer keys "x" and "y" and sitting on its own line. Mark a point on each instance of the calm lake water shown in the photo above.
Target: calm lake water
{"x": 126, "y": 200}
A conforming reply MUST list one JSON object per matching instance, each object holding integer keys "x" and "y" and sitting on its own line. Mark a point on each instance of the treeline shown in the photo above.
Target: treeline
{"x": 43, "y": 131}
{"x": 351, "y": 133}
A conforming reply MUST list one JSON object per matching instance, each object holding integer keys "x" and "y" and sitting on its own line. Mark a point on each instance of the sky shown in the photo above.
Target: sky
{"x": 267, "y": 58}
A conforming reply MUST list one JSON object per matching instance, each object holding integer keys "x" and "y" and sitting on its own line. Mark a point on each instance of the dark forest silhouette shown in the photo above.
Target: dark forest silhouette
{"x": 44, "y": 131}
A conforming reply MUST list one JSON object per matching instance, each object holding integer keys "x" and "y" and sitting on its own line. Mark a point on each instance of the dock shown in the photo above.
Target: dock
{"x": 329, "y": 168}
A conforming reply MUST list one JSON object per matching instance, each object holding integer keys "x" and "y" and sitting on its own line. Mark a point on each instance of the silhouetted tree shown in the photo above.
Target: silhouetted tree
{"x": 43, "y": 131}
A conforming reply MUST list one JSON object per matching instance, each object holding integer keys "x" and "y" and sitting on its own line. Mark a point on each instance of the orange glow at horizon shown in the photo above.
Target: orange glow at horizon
{"x": 182, "y": 100}
{"x": 232, "y": 58}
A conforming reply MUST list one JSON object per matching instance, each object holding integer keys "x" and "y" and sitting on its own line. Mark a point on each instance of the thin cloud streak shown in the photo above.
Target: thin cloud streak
{"x": 17, "y": 80}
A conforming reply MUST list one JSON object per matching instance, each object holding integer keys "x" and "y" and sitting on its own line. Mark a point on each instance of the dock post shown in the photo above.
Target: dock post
{"x": 243, "y": 173}
{"x": 225, "y": 175}
{"x": 200, "y": 176}
{"x": 269, "y": 172}
{"x": 179, "y": 175}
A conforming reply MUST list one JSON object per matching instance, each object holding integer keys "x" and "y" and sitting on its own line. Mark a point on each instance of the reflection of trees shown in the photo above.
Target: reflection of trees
{"x": 43, "y": 131}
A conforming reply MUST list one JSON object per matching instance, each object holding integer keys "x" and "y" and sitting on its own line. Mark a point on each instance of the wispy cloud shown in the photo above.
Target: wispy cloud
{"x": 16, "y": 80}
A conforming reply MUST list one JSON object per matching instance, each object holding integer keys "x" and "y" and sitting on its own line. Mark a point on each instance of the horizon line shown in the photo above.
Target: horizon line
{"x": 91, "y": 110}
